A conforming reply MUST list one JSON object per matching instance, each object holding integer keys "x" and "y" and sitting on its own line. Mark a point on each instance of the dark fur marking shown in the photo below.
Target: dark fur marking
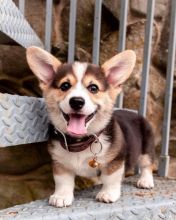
{"x": 97, "y": 72}
{"x": 138, "y": 136}
{"x": 62, "y": 71}
{"x": 109, "y": 131}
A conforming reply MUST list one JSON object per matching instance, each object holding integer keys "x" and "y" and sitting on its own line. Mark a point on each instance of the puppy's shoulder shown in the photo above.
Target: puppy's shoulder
{"x": 128, "y": 117}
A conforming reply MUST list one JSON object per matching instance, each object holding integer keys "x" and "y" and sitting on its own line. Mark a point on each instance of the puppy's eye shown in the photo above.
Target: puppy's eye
{"x": 65, "y": 86}
{"x": 93, "y": 88}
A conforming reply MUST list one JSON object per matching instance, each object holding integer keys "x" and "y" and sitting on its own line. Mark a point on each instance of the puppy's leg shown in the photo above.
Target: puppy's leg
{"x": 111, "y": 188}
{"x": 64, "y": 186}
{"x": 146, "y": 176}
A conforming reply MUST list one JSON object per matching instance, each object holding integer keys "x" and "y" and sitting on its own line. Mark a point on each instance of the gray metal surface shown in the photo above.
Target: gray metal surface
{"x": 122, "y": 38}
{"x": 23, "y": 120}
{"x": 164, "y": 158}
{"x": 147, "y": 56}
{"x": 134, "y": 204}
{"x": 72, "y": 30}
{"x": 14, "y": 27}
{"x": 48, "y": 25}
{"x": 96, "y": 32}
{"x": 22, "y": 6}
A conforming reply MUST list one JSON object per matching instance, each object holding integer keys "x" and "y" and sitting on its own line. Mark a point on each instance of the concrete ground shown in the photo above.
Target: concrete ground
{"x": 134, "y": 204}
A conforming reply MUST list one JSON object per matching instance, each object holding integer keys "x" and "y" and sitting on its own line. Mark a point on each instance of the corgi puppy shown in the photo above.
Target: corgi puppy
{"x": 87, "y": 137}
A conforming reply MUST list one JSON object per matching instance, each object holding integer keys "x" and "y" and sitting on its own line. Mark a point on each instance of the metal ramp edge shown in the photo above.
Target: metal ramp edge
{"x": 14, "y": 28}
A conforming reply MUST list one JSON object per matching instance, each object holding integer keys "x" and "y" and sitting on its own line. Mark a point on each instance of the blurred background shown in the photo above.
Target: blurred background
{"x": 25, "y": 171}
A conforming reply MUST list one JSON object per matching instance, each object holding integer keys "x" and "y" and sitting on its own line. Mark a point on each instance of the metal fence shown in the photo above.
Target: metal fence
{"x": 164, "y": 157}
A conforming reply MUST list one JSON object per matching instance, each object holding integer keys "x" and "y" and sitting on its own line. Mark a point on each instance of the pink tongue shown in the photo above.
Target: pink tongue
{"x": 76, "y": 125}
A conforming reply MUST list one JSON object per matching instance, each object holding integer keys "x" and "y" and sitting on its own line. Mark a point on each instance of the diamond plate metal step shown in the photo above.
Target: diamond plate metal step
{"x": 23, "y": 120}
{"x": 134, "y": 204}
{"x": 14, "y": 28}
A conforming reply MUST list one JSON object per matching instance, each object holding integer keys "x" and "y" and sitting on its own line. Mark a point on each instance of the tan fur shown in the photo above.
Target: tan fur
{"x": 112, "y": 153}
{"x": 113, "y": 166}
{"x": 102, "y": 99}
{"x": 145, "y": 160}
{"x": 54, "y": 95}
{"x": 90, "y": 79}
{"x": 114, "y": 92}
{"x": 99, "y": 98}
{"x": 68, "y": 78}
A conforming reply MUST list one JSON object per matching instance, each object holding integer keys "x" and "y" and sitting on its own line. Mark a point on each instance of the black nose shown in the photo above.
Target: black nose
{"x": 77, "y": 103}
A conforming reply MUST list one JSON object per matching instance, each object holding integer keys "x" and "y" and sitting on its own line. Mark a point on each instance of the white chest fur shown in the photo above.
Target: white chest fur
{"x": 79, "y": 162}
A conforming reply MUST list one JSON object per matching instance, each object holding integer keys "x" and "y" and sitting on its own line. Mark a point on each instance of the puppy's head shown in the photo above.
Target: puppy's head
{"x": 80, "y": 96}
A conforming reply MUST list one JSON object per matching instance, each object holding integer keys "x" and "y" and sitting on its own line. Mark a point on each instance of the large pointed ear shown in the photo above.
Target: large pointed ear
{"x": 43, "y": 64}
{"x": 119, "y": 67}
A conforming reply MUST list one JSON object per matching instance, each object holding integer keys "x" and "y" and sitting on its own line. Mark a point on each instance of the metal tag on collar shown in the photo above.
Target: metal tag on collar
{"x": 94, "y": 163}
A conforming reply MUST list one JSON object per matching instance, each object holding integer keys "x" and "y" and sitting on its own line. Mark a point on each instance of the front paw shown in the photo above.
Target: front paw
{"x": 108, "y": 195}
{"x": 145, "y": 183}
{"x": 61, "y": 200}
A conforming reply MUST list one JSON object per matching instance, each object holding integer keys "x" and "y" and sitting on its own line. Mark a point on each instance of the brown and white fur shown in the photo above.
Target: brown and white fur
{"x": 126, "y": 137}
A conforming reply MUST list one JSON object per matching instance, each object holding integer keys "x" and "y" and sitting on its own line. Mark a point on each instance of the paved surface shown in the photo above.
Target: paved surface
{"x": 158, "y": 203}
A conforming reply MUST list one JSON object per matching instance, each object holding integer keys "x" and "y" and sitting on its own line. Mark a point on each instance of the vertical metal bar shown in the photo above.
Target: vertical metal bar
{"x": 164, "y": 158}
{"x": 146, "y": 56}
{"x": 72, "y": 31}
{"x": 123, "y": 24}
{"x": 22, "y": 6}
{"x": 122, "y": 38}
{"x": 96, "y": 32}
{"x": 48, "y": 24}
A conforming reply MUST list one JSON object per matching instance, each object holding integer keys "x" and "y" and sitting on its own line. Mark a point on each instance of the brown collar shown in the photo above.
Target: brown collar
{"x": 74, "y": 144}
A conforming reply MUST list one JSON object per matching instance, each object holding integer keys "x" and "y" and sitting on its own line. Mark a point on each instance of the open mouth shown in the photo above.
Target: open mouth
{"x": 76, "y": 123}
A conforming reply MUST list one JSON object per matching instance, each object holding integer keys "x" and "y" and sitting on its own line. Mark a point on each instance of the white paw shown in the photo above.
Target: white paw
{"x": 61, "y": 200}
{"x": 108, "y": 195}
{"x": 145, "y": 183}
